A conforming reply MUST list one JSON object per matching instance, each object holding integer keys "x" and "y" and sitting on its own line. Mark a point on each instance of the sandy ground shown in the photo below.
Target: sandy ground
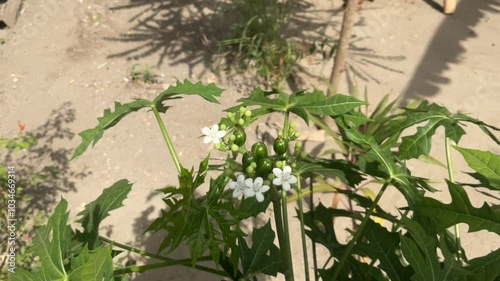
{"x": 65, "y": 62}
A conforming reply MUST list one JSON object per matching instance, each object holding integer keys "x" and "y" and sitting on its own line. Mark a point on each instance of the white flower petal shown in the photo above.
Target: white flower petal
{"x": 220, "y": 134}
{"x": 264, "y": 188}
{"x": 277, "y": 181}
{"x": 249, "y": 183}
{"x": 277, "y": 172}
{"x": 207, "y": 139}
{"x": 237, "y": 193}
{"x": 292, "y": 179}
{"x": 257, "y": 183}
{"x": 286, "y": 186}
{"x": 206, "y": 131}
{"x": 249, "y": 192}
{"x": 215, "y": 128}
{"x": 241, "y": 179}
{"x": 259, "y": 196}
{"x": 216, "y": 140}
{"x": 232, "y": 184}
{"x": 287, "y": 170}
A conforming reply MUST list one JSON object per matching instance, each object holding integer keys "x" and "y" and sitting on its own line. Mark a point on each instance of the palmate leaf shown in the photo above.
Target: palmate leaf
{"x": 108, "y": 120}
{"x": 460, "y": 210}
{"x": 418, "y": 144}
{"x": 419, "y": 249}
{"x": 204, "y": 223}
{"x": 321, "y": 230}
{"x": 382, "y": 245}
{"x": 96, "y": 211}
{"x": 92, "y": 265}
{"x": 485, "y": 163}
{"x": 209, "y": 92}
{"x": 256, "y": 259}
{"x": 301, "y": 103}
{"x": 50, "y": 244}
{"x": 486, "y": 268}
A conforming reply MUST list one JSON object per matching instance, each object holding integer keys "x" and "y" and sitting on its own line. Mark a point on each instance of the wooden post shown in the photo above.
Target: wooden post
{"x": 449, "y": 6}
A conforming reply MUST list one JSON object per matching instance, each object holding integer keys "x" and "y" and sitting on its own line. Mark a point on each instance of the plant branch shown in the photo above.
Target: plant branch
{"x": 358, "y": 233}
{"x": 302, "y": 230}
{"x": 284, "y": 205}
{"x": 451, "y": 176}
{"x": 287, "y": 267}
{"x": 170, "y": 145}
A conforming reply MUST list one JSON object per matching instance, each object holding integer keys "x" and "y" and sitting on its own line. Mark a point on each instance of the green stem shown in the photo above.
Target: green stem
{"x": 285, "y": 126}
{"x": 284, "y": 205}
{"x": 358, "y": 233}
{"x": 451, "y": 176}
{"x": 302, "y": 231}
{"x": 170, "y": 145}
{"x": 311, "y": 205}
{"x": 143, "y": 268}
{"x": 287, "y": 267}
{"x": 167, "y": 261}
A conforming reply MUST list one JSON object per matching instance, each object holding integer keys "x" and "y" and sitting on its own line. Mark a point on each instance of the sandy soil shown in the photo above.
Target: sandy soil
{"x": 65, "y": 62}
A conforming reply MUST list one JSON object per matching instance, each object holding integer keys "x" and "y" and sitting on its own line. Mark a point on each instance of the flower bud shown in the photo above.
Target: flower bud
{"x": 235, "y": 148}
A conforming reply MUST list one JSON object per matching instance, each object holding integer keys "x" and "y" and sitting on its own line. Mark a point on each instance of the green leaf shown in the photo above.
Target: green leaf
{"x": 256, "y": 259}
{"x": 96, "y": 211}
{"x": 250, "y": 207}
{"x": 108, "y": 120}
{"x": 485, "y": 163}
{"x": 92, "y": 265}
{"x": 419, "y": 143}
{"x": 356, "y": 118}
{"x": 261, "y": 98}
{"x": 321, "y": 230}
{"x": 420, "y": 251}
{"x": 460, "y": 210}
{"x": 486, "y": 268}
{"x": 335, "y": 105}
{"x": 50, "y": 244}
{"x": 382, "y": 245}
{"x": 353, "y": 270}
{"x": 209, "y": 92}
{"x": 453, "y": 130}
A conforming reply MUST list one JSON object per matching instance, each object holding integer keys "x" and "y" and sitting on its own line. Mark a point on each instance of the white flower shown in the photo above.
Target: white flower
{"x": 256, "y": 187}
{"x": 213, "y": 134}
{"x": 238, "y": 186}
{"x": 284, "y": 178}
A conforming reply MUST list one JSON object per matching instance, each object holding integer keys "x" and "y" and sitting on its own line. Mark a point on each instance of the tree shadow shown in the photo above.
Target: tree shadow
{"x": 48, "y": 161}
{"x": 188, "y": 32}
{"x": 446, "y": 49}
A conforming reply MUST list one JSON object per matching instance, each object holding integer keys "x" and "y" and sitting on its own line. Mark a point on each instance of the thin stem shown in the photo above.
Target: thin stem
{"x": 143, "y": 268}
{"x": 358, "y": 233}
{"x": 284, "y": 205}
{"x": 170, "y": 145}
{"x": 281, "y": 236}
{"x": 302, "y": 231}
{"x": 167, "y": 261}
{"x": 451, "y": 176}
{"x": 311, "y": 205}
{"x": 285, "y": 126}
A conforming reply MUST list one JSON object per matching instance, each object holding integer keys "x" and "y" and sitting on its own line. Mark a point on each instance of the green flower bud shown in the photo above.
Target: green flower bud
{"x": 218, "y": 146}
{"x": 223, "y": 126}
{"x": 248, "y": 113}
{"x": 241, "y": 122}
{"x": 232, "y": 137}
{"x": 278, "y": 164}
{"x": 250, "y": 170}
{"x": 230, "y": 115}
{"x": 242, "y": 109}
{"x": 297, "y": 134}
{"x": 292, "y": 125}
{"x": 235, "y": 148}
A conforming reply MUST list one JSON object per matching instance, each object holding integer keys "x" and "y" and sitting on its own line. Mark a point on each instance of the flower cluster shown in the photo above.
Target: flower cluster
{"x": 249, "y": 187}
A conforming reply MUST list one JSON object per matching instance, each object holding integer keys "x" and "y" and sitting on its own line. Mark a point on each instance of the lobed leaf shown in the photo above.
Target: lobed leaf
{"x": 96, "y": 211}
{"x": 209, "y": 92}
{"x": 108, "y": 120}
{"x": 485, "y": 163}
{"x": 460, "y": 210}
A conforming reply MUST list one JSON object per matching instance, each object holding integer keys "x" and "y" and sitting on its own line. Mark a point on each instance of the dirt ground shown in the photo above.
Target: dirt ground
{"x": 67, "y": 60}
